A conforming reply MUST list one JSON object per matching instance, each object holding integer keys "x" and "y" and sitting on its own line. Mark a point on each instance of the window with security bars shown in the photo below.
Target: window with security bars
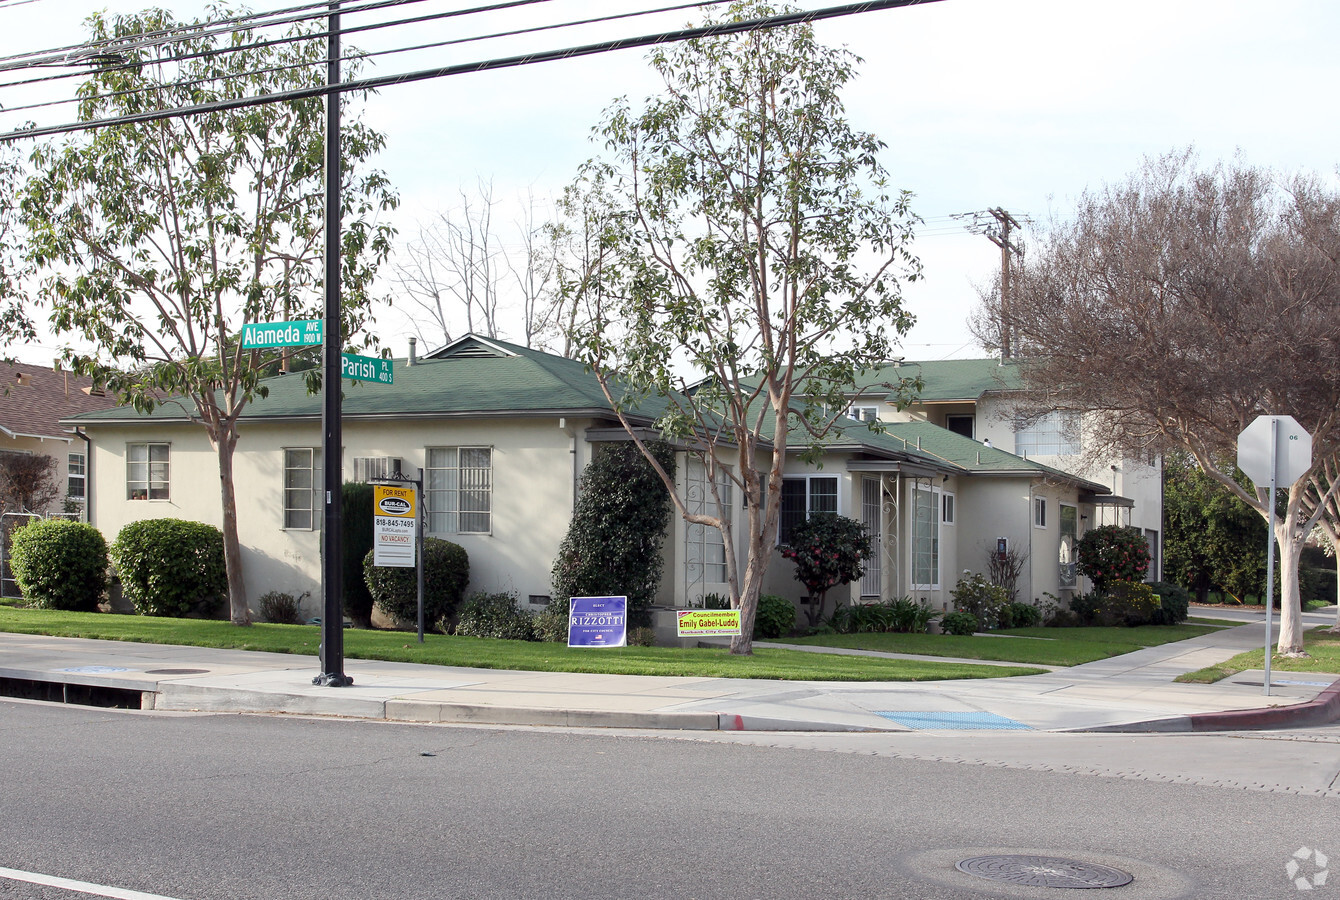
{"x": 704, "y": 547}
{"x": 458, "y": 490}
{"x": 302, "y": 488}
{"x": 147, "y": 471}
{"x": 802, "y": 496}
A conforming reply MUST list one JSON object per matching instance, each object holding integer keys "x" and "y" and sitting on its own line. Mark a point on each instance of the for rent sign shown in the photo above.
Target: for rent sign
{"x": 598, "y": 622}
{"x": 394, "y": 526}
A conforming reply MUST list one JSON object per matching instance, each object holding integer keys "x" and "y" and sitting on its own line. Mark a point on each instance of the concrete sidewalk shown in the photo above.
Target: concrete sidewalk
{"x": 1134, "y": 692}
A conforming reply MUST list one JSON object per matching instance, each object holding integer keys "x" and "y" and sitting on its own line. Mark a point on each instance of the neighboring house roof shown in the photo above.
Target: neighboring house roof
{"x": 948, "y": 380}
{"x": 978, "y": 458}
{"x": 34, "y": 399}
{"x": 469, "y": 377}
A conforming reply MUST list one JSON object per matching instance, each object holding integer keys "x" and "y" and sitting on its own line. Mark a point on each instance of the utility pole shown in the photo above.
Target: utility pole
{"x": 1000, "y": 236}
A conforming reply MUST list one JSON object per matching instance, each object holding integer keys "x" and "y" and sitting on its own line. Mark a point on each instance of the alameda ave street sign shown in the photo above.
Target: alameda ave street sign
{"x": 298, "y": 333}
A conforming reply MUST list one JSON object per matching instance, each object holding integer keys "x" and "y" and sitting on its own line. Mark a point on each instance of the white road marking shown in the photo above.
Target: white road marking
{"x": 83, "y": 887}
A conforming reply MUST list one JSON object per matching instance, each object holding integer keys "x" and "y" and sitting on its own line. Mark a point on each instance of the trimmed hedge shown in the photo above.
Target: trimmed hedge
{"x": 60, "y": 564}
{"x": 171, "y": 567}
{"x": 1175, "y": 600}
{"x": 774, "y": 617}
{"x": 356, "y": 529}
{"x": 446, "y": 572}
{"x": 495, "y": 616}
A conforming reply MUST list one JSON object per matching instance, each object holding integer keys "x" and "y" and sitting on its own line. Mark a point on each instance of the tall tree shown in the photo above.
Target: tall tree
{"x": 746, "y": 266}
{"x": 1185, "y": 303}
{"x": 158, "y": 241}
{"x": 1211, "y": 539}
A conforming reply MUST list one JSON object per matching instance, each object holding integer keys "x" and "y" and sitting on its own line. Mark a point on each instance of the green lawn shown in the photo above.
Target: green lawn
{"x": 1045, "y": 646}
{"x": 1322, "y": 645}
{"x": 490, "y": 654}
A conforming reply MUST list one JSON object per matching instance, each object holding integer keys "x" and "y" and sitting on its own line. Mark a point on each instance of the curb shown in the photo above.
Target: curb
{"x": 1324, "y": 709}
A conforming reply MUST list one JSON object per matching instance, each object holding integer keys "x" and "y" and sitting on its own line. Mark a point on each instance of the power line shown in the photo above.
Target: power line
{"x": 372, "y": 83}
{"x": 693, "y": 4}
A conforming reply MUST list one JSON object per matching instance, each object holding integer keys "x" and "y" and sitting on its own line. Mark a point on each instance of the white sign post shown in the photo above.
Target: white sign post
{"x": 1277, "y": 450}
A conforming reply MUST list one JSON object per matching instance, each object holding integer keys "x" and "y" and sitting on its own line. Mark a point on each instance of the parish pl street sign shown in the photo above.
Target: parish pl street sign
{"x": 1292, "y": 450}
{"x": 298, "y": 333}
{"x": 367, "y": 368}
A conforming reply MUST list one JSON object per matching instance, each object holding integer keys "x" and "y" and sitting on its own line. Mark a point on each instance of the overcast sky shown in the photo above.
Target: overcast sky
{"x": 1021, "y": 104}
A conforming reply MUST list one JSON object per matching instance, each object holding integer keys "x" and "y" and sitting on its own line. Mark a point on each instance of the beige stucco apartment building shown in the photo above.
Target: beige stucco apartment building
{"x": 502, "y": 434}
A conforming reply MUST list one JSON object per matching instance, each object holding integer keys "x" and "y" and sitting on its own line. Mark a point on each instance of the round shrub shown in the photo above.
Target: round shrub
{"x": 1175, "y": 601}
{"x": 551, "y": 623}
{"x": 171, "y": 567}
{"x": 1020, "y": 615}
{"x": 1129, "y": 603}
{"x": 282, "y": 608}
{"x": 495, "y": 616}
{"x": 960, "y": 623}
{"x": 1112, "y": 553}
{"x": 60, "y": 564}
{"x": 356, "y": 527}
{"x": 775, "y": 617}
{"x": 446, "y": 572}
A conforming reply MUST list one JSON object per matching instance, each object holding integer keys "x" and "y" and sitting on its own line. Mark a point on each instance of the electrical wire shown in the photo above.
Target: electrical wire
{"x": 373, "y": 83}
{"x": 183, "y": 85}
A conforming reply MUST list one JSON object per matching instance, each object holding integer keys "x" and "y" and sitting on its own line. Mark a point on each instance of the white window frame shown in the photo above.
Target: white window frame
{"x": 1039, "y": 512}
{"x": 1055, "y": 434}
{"x": 704, "y": 545}
{"x": 948, "y": 508}
{"x": 148, "y": 481}
{"x": 934, "y": 537}
{"x": 450, "y": 491}
{"x": 810, "y": 496}
{"x": 863, "y": 412}
{"x": 81, "y": 477}
{"x": 291, "y": 509}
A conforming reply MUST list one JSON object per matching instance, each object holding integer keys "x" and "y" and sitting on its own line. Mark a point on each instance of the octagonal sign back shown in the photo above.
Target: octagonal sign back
{"x": 1293, "y": 456}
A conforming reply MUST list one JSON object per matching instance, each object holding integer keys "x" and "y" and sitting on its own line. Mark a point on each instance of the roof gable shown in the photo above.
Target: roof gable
{"x": 33, "y": 400}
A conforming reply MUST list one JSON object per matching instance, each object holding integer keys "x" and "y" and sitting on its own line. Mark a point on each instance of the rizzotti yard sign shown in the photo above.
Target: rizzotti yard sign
{"x": 598, "y": 622}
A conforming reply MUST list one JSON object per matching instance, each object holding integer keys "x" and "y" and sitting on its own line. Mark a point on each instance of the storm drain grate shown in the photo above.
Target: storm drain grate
{"x": 1044, "y": 871}
{"x": 964, "y": 721}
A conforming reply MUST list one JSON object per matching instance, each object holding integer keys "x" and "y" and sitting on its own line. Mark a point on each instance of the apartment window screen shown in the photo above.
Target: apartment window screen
{"x": 458, "y": 489}
{"x": 147, "y": 471}
{"x": 925, "y": 538}
{"x": 76, "y": 482}
{"x": 302, "y": 486}
{"x": 1055, "y": 434}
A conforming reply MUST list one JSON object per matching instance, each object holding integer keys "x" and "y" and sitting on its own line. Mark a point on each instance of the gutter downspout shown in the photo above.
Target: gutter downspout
{"x": 572, "y": 450}
{"x": 88, "y": 474}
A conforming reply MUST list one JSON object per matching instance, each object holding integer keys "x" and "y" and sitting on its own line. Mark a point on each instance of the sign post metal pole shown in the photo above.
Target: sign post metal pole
{"x": 1270, "y": 545}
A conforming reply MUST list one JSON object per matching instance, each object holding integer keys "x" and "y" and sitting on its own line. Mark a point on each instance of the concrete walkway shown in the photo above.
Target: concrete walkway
{"x": 1134, "y": 692}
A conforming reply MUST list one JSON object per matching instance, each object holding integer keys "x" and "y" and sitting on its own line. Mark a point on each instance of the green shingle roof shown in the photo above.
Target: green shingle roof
{"x": 949, "y": 379}
{"x": 974, "y": 456}
{"x": 469, "y": 377}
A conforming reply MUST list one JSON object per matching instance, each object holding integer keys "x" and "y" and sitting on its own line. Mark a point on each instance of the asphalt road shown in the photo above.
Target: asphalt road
{"x": 208, "y": 807}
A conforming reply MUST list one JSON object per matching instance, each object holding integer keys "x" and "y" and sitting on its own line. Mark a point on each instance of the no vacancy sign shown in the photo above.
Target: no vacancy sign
{"x": 394, "y": 526}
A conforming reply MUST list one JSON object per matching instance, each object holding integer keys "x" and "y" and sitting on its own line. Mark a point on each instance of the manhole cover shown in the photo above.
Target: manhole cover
{"x": 176, "y": 671}
{"x": 1044, "y": 871}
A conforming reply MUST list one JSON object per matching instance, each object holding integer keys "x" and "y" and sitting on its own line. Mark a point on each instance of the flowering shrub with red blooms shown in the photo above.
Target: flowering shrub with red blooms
{"x": 828, "y": 550}
{"x": 1112, "y": 553}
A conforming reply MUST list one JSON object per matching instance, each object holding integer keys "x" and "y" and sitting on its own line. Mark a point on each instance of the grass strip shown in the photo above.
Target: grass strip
{"x": 484, "y": 653}
{"x": 1321, "y": 644}
{"x": 1062, "y": 647}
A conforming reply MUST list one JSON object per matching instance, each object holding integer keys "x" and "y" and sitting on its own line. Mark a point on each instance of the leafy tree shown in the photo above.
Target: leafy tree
{"x": 159, "y": 240}
{"x": 1184, "y": 303}
{"x": 828, "y": 550}
{"x": 1112, "y": 553}
{"x": 743, "y": 265}
{"x": 1211, "y": 538}
{"x": 613, "y": 545}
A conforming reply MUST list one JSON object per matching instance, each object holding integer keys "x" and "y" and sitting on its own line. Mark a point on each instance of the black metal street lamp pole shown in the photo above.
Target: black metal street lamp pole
{"x": 332, "y": 574}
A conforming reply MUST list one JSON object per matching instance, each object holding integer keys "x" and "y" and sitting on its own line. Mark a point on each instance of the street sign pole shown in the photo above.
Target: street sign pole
{"x": 332, "y": 439}
{"x": 1270, "y": 545}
